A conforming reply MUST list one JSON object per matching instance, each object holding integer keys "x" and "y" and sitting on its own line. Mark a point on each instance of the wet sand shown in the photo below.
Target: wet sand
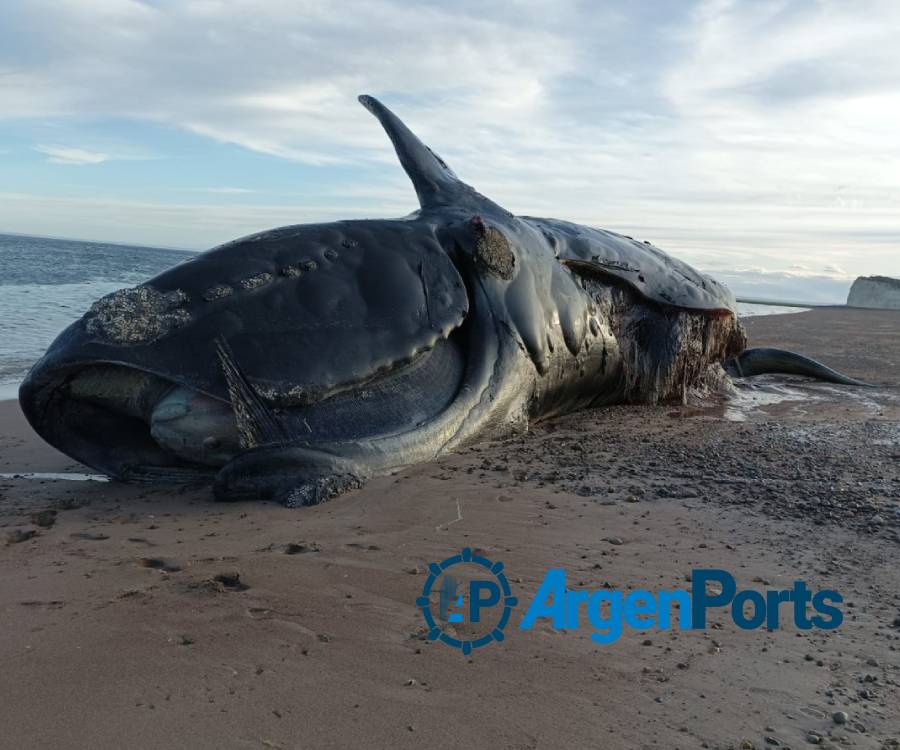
{"x": 117, "y": 632}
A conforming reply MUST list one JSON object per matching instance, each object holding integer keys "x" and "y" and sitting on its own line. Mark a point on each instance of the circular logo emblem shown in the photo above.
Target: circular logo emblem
{"x": 466, "y": 601}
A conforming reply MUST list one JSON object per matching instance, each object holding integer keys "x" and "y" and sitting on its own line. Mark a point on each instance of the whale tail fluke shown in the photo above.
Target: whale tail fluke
{"x": 761, "y": 361}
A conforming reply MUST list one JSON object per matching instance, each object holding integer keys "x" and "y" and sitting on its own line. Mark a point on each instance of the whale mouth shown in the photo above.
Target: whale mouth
{"x": 138, "y": 425}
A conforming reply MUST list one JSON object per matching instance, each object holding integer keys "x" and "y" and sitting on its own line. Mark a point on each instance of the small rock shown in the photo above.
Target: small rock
{"x": 300, "y": 548}
{"x": 839, "y": 717}
{"x": 229, "y": 582}
{"x": 89, "y": 536}
{"x": 44, "y": 518}
{"x": 615, "y": 540}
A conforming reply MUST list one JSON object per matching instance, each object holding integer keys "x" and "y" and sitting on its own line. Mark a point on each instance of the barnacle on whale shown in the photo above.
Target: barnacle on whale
{"x": 137, "y": 316}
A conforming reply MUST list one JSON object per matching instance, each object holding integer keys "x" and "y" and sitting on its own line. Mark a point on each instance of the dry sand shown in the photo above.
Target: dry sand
{"x": 117, "y": 635}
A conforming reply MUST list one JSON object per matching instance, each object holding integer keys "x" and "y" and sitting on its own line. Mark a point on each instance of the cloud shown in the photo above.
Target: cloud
{"x": 68, "y": 155}
{"x": 727, "y": 132}
{"x": 277, "y": 79}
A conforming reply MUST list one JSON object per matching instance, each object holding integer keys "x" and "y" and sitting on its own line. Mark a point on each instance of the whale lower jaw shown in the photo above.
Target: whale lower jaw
{"x": 139, "y": 426}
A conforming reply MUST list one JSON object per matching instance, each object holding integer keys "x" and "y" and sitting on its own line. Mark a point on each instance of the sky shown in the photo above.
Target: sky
{"x": 757, "y": 140}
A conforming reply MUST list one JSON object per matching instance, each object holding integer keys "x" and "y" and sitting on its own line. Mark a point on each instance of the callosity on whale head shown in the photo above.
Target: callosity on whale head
{"x": 295, "y": 362}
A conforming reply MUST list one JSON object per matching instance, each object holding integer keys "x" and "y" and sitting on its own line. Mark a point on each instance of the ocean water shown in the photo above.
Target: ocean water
{"x": 748, "y": 310}
{"x": 46, "y": 284}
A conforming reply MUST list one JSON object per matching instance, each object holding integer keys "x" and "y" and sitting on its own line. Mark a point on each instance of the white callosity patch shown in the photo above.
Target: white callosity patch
{"x": 137, "y": 316}
{"x": 217, "y": 291}
{"x": 254, "y": 282}
{"x": 306, "y": 265}
{"x": 320, "y": 489}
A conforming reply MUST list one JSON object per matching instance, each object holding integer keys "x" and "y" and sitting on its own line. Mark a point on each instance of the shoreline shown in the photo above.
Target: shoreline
{"x": 9, "y": 391}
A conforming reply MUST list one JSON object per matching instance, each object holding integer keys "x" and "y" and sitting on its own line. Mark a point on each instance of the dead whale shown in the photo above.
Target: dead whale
{"x": 294, "y": 363}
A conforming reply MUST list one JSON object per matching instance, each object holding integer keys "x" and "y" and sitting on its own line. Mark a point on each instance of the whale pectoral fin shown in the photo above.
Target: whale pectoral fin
{"x": 294, "y": 475}
{"x": 646, "y": 269}
{"x": 435, "y": 183}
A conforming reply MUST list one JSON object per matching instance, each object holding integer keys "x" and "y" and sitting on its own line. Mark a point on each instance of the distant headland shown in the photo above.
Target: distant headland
{"x": 881, "y": 292}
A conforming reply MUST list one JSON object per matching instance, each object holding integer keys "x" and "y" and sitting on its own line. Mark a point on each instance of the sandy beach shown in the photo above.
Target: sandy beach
{"x": 141, "y": 616}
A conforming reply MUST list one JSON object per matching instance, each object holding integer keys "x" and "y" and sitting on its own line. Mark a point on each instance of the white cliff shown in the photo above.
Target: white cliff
{"x": 880, "y": 292}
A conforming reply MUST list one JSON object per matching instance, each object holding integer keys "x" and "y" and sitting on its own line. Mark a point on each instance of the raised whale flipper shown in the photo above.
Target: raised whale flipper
{"x": 435, "y": 183}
